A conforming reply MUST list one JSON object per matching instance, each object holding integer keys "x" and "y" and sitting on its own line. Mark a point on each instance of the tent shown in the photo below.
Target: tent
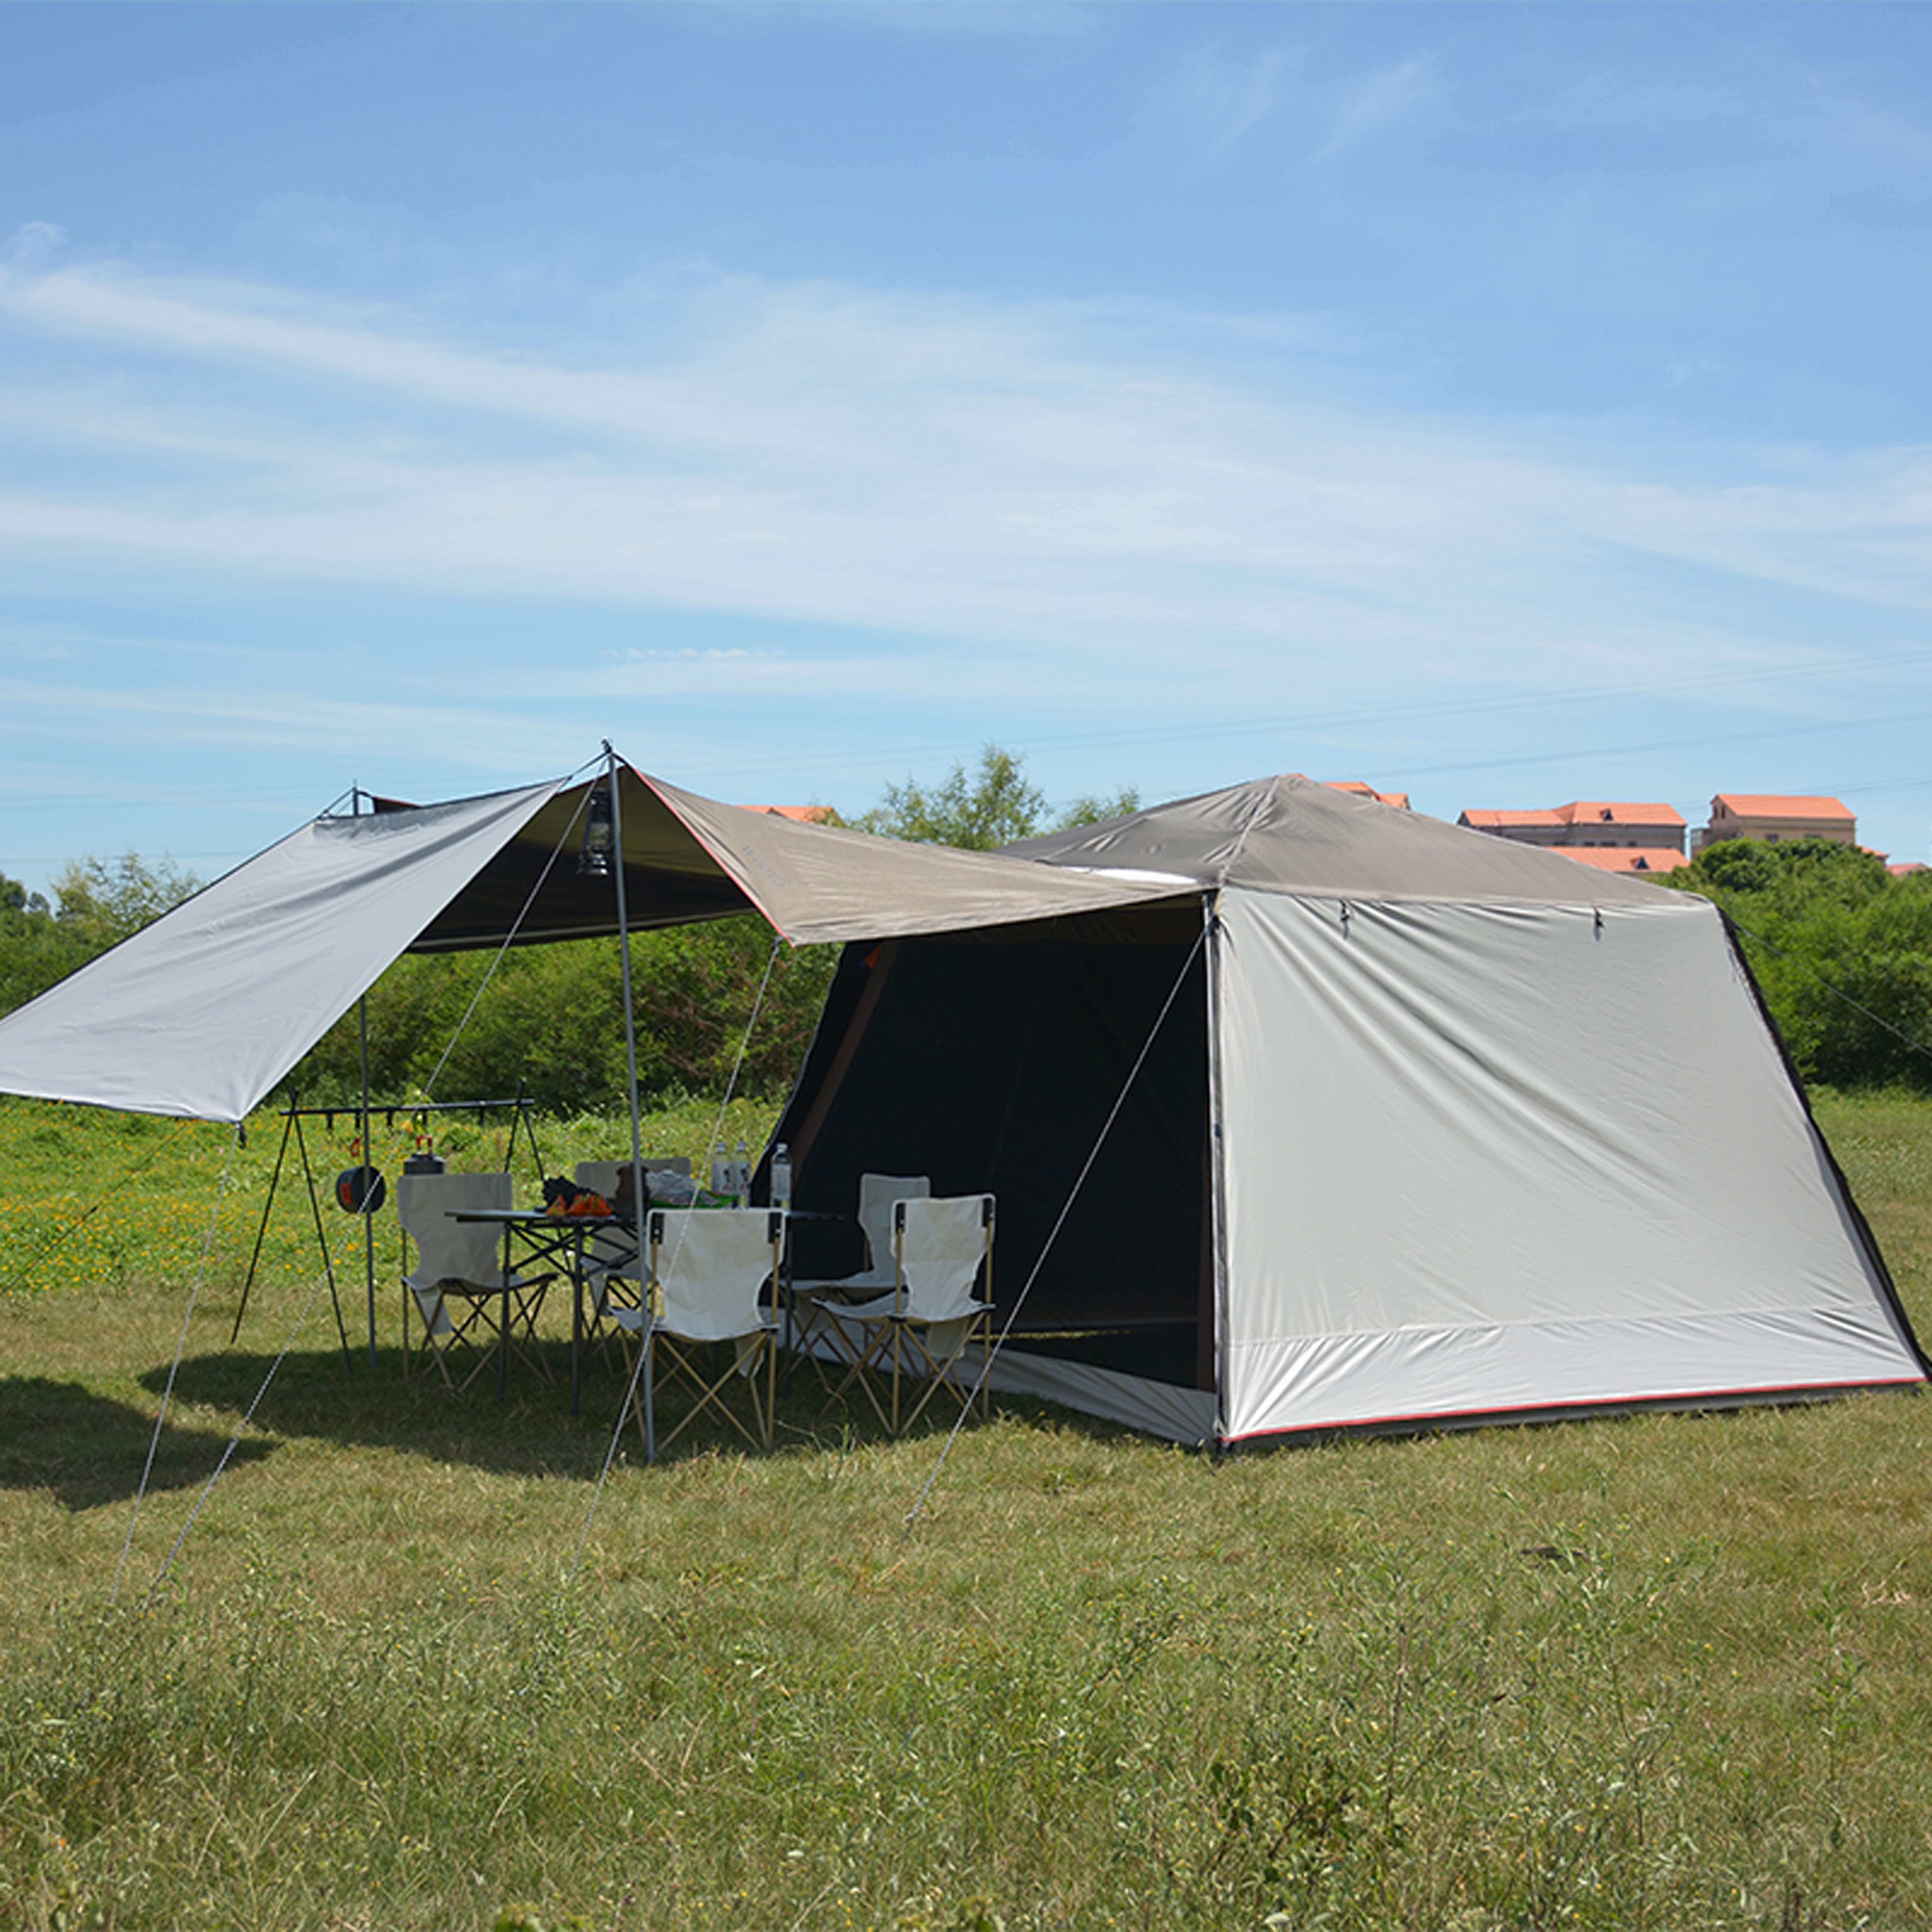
{"x": 1302, "y": 1112}
{"x": 1436, "y": 1129}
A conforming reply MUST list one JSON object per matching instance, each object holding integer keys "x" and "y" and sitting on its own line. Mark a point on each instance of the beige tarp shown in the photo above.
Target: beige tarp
{"x": 202, "y": 1013}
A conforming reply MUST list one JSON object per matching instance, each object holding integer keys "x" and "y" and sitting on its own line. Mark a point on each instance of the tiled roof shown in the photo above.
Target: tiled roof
{"x": 805, "y": 814}
{"x": 1399, "y": 799}
{"x": 1578, "y": 811}
{"x": 1484, "y": 820}
{"x": 1776, "y": 805}
{"x": 1611, "y": 811}
{"x": 1624, "y": 858}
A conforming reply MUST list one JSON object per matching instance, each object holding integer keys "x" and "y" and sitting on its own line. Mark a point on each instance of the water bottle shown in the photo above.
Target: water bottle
{"x": 741, "y": 1172}
{"x": 780, "y": 1176}
{"x": 721, "y": 1177}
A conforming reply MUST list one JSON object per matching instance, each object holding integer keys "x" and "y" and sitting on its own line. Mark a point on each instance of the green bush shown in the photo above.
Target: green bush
{"x": 549, "y": 1023}
{"x": 1842, "y": 949}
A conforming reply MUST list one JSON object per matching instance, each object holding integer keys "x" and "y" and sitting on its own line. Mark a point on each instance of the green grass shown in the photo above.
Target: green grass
{"x": 1670, "y": 1671}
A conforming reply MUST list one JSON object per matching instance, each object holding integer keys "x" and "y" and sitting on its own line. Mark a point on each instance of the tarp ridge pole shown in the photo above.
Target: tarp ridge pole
{"x": 630, "y": 1080}
{"x": 644, "y": 1369}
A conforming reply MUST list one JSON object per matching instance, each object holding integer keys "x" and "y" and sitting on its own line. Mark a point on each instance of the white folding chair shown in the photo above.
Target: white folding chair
{"x": 609, "y": 1254}
{"x": 709, "y": 1269}
{"x": 942, "y": 1249}
{"x": 814, "y": 1302}
{"x": 468, "y": 1303}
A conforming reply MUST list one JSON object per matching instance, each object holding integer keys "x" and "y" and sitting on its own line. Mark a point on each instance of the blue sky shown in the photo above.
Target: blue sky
{"x": 1505, "y": 404}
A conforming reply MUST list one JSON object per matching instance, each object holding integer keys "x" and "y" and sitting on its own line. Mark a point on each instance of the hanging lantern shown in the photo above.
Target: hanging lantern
{"x": 599, "y": 841}
{"x": 361, "y": 1190}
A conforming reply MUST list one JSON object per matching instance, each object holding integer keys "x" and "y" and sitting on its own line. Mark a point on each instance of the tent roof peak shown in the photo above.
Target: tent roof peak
{"x": 1287, "y": 833}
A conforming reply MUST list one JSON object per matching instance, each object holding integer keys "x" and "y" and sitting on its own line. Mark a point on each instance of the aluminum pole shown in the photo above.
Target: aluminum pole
{"x": 638, "y": 1197}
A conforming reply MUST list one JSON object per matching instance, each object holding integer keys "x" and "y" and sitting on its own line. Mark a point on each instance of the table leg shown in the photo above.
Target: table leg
{"x": 576, "y": 1332}
{"x": 503, "y": 1351}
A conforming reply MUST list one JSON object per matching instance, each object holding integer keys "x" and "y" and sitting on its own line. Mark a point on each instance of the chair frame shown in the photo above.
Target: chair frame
{"x": 810, "y": 1305}
{"x": 898, "y": 1340}
{"x": 512, "y": 1330}
{"x": 678, "y": 1352}
{"x": 610, "y": 1279}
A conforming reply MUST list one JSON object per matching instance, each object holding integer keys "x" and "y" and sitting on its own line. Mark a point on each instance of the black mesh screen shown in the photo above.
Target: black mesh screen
{"x": 990, "y": 1063}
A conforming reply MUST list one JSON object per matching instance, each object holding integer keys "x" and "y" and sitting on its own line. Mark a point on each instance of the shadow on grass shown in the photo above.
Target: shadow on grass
{"x": 531, "y": 1432}
{"x": 87, "y": 1450}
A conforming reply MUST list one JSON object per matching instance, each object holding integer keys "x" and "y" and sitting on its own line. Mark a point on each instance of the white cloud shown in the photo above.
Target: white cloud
{"x": 1385, "y": 97}
{"x": 1018, "y": 476}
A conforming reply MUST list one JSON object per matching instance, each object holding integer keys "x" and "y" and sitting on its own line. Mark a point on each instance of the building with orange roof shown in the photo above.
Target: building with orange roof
{"x": 1777, "y": 816}
{"x": 1399, "y": 799}
{"x": 1593, "y": 822}
{"x": 1626, "y": 858}
{"x": 805, "y": 814}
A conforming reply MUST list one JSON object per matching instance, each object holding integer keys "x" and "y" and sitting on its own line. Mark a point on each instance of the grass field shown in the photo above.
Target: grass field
{"x": 1669, "y": 1672}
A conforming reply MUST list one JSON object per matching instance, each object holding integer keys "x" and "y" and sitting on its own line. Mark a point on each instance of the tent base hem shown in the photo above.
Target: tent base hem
{"x": 1535, "y": 1415}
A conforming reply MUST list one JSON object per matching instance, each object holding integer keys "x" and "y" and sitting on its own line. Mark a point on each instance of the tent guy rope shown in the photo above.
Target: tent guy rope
{"x": 174, "y": 1367}
{"x": 1093, "y": 1154}
{"x": 233, "y": 1442}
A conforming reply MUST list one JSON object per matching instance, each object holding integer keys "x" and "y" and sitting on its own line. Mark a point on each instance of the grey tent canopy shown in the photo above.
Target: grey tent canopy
{"x": 1435, "y": 1128}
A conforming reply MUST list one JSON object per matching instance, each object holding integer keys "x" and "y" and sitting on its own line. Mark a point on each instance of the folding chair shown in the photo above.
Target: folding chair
{"x": 812, "y": 1303}
{"x": 708, "y": 1271}
{"x": 610, "y": 1254}
{"x": 468, "y": 1303}
{"x": 924, "y": 1326}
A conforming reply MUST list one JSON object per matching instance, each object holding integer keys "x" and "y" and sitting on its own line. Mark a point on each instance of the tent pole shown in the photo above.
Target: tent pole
{"x": 1216, "y": 1313}
{"x": 368, "y": 1214}
{"x": 638, "y": 1197}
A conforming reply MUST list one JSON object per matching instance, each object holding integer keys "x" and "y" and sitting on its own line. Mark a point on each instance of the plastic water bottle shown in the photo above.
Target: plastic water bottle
{"x": 741, "y": 1172}
{"x": 780, "y": 1176}
{"x": 721, "y": 1177}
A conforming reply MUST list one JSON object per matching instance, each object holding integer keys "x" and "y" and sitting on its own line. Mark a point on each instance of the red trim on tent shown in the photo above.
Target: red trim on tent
{"x": 1595, "y": 1405}
{"x": 718, "y": 858}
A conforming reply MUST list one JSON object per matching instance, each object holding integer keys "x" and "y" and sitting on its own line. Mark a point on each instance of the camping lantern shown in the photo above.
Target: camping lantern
{"x": 361, "y": 1190}
{"x": 599, "y": 841}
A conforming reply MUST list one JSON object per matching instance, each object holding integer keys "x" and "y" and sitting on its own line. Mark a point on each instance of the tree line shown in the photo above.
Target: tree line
{"x": 1841, "y": 948}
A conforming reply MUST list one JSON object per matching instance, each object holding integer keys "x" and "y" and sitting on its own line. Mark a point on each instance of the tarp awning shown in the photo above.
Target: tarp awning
{"x": 203, "y": 1012}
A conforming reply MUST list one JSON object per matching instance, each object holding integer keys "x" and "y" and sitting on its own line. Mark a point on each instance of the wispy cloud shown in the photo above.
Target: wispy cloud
{"x": 1223, "y": 92}
{"x": 1255, "y": 98}
{"x": 1384, "y": 98}
{"x": 1015, "y": 475}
